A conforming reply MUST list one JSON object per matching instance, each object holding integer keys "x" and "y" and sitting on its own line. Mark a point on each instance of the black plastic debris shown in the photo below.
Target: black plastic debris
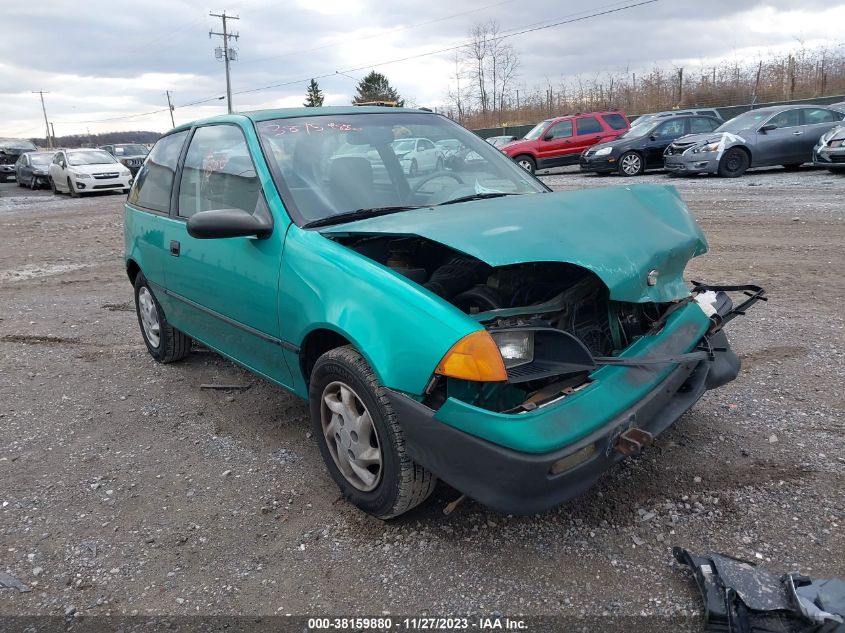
{"x": 10, "y": 582}
{"x": 741, "y": 597}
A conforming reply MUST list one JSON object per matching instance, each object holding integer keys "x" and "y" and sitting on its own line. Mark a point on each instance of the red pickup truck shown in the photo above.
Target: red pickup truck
{"x": 560, "y": 141}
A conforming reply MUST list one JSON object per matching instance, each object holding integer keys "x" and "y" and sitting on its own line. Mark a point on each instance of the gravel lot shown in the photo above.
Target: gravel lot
{"x": 125, "y": 489}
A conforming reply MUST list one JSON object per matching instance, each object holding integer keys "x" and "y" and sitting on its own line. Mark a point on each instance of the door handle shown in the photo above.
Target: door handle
{"x": 796, "y": 133}
{"x": 175, "y": 247}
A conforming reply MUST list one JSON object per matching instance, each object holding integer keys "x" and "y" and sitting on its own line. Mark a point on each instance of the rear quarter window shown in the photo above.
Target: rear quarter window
{"x": 154, "y": 182}
{"x": 615, "y": 121}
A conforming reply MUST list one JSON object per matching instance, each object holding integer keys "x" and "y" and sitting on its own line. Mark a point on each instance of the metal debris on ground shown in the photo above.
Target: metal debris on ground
{"x": 10, "y": 582}
{"x": 741, "y": 596}
{"x": 221, "y": 387}
{"x": 450, "y": 507}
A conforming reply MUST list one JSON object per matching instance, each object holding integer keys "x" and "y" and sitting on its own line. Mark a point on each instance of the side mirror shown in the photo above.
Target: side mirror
{"x": 768, "y": 127}
{"x": 652, "y": 137}
{"x": 548, "y": 137}
{"x": 218, "y": 223}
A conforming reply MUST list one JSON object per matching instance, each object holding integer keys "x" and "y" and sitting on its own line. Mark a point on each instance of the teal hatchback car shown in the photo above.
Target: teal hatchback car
{"x": 457, "y": 320}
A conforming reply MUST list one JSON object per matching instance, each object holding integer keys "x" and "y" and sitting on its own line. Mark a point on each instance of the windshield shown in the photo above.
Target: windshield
{"x": 41, "y": 159}
{"x": 13, "y": 143}
{"x": 638, "y": 130}
{"x": 93, "y": 157}
{"x": 536, "y": 131}
{"x": 130, "y": 150}
{"x": 745, "y": 121}
{"x": 334, "y": 164}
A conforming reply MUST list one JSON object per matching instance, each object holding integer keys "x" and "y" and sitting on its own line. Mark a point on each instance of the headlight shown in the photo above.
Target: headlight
{"x": 710, "y": 147}
{"x": 515, "y": 346}
{"x": 604, "y": 151}
{"x": 125, "y": 172}
{"x": 77, "y": 175}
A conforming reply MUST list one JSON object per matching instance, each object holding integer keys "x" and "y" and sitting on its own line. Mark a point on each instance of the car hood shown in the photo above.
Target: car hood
{"x": 709, "y": 137}
{"x": 516, "y": 145}
{"x": 619, "y": 233}
{"x": 97, "y": 169}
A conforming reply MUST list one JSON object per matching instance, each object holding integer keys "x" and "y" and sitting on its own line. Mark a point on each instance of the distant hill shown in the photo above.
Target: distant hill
{"x": 93, "y": 140}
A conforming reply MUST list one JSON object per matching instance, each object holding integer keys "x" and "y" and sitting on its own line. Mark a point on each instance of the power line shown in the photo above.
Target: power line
{"x": 227, "y": 53}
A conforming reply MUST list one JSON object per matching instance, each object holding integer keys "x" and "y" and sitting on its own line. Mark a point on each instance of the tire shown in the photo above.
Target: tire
{"x": 73, "y": 193}
{"x": 631, "y": 164}
{"x": 392, "y": 483}
{"x": 793, "y": 166}
{"x": 734, "y": 163}
{"x": 414, "y": 169}
{"x": 19, "y": 181}
{"x": 172, "y": 345}
{"x": 439, "y": 165}
{"x": 33, "y": 184}
{"x": 53, "y": 186}
{"x": 527, "y": 163}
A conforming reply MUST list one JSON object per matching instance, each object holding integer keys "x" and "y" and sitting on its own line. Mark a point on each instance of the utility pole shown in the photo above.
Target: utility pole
{"x": 226, "y": 53}
{"x": 44, "y": 110}
{"x": 170, "y": 107}
{"x": 53, "y": 131}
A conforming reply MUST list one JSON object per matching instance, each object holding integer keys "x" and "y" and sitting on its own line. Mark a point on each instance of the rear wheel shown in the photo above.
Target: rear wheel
{"x": 360, "y": 438}
{"x": 734, "y": 163}
{"x": 631, "y": 164}
{"x": 164, "y": 342}
{"x": 527, "y": 163}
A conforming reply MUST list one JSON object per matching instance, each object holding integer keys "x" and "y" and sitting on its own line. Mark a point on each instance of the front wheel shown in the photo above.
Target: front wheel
{"x": 164, "y": 342}
{"x": 360, "y": 438}
{"x": 631, "y": 164}
{"x": 439, "y": 165}
{"x": 413, "y": 169}
{"x": 53, "y": 186}
{"x": 73, "y": 193}
{"x": 734, "y": 163}
{"x": 527, "y": 163}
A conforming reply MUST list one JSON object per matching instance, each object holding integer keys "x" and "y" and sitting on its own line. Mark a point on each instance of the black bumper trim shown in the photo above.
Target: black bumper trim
{"x": 520, "y": 483}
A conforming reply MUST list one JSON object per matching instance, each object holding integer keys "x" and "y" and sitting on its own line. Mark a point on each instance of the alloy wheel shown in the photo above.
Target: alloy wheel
{"x": 631, "y": 164}
{"x": 351, "y": 436}
{"x": 149, "y": 316}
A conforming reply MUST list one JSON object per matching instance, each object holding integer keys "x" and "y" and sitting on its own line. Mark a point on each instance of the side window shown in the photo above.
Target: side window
{"x": 820, "y": 115}
{"x": 218, "y": 172}
{"x": 561, "y": 129}
{"x": 701, "y": 126}
{"x": 788, "y": 118}
{"x": 57, "y": 159}
{"x": 587, "y": 125}
{"x": 615, "y": 121}
{"x": 154, "y": 181}
{"x": 670, "y": 129}
{"x": 426, "y": 144}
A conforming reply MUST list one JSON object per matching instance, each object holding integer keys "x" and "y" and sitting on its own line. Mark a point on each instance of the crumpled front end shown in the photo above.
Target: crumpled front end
{"x": 829, "y": 152}
{"x": 699, "y": 154}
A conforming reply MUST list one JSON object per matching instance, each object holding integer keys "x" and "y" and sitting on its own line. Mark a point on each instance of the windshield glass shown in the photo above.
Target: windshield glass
{"x": 638, "y": 130}
{"x": 744, "y": 121}
{"x": 333, "y": 164}
{"x": 41, "y": 159}
{"x": 130, "y": 149}
{"x": 536, "y": 131}
{"x": 13, "y": 143}
{"x": 92, "y": 157}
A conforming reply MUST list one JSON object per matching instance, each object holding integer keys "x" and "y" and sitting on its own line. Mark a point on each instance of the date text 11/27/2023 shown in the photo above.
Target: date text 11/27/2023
{"x": 423, "y": 623}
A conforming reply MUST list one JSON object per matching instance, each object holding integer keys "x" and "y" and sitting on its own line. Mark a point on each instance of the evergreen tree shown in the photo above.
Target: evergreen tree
{"x": 376, "y": 87}
{"x": 313, "y": 96}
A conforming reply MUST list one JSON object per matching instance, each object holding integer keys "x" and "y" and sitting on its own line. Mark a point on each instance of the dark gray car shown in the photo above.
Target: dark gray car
{"x": 31, "y": 169}
{"x": 778, "y": 135}
{"x": 131, "y": 155}
{"x": 10, "y": 151}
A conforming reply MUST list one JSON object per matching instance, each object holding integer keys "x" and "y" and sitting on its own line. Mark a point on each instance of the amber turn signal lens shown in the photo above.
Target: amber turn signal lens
{"x": 475, "y": 357}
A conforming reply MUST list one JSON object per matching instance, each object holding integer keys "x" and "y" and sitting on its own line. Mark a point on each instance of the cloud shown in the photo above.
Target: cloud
{"x": 114, "y": 58}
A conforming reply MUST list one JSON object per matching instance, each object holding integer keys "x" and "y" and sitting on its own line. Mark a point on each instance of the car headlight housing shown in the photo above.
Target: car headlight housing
{"x": 604, "y": 151}
{"x": 708, "y": 147}
{"x": 79, "y": 175}
{"x": 125, "y": 172}
{"x": 515, "y": 346}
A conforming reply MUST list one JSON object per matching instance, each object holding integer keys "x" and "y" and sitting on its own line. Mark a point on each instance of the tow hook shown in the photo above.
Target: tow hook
{"x": 633, "y": 441}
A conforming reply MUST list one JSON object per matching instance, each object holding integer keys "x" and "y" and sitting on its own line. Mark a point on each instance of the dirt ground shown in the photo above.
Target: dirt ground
{"x": 126, "y": 489}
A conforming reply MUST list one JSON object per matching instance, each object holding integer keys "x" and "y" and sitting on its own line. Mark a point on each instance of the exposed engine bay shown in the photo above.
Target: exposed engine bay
{"x": 567, "y": 306}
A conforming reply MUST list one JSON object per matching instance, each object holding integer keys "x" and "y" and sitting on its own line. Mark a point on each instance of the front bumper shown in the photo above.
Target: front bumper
{"x": 830, "y": 158}
{"x": 103, "y": 184}
{"x": 692, "y": 163}
{"x": 598, "y": 163}
{"x": 583, "y": 428}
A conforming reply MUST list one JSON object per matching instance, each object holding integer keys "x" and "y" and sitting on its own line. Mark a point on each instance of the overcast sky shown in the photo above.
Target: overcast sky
{"x": 106, "y": 59}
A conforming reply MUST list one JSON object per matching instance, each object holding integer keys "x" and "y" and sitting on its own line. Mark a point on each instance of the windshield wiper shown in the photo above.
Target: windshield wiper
{"x": 478, "y": 196}
{"x": 357, "y": 214}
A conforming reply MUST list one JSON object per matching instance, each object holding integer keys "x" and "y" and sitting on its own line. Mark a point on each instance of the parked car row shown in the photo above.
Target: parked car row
{"x": 687, "y": 141}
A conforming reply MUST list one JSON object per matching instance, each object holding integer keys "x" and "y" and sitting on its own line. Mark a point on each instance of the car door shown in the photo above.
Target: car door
{"x": 588, "y": 132}
{"x": 226, "y": 289}
{"x": 430, "y": 153}
{"x": 23, "y": 172}
{"x": 57, "y": 171}
{"x": 660, "y": 138}
{"x": 783, "y": 144}
{"x": 555, "y": 142}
